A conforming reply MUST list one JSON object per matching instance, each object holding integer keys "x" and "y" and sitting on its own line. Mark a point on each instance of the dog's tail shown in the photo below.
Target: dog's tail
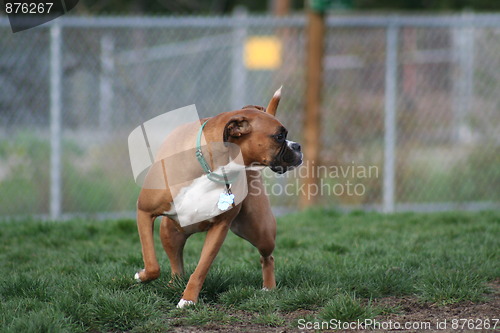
{"x": 273, "y": 103}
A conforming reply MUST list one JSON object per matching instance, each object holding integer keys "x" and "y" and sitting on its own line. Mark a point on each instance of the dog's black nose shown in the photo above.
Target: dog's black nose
{"x": 295, "y": 146}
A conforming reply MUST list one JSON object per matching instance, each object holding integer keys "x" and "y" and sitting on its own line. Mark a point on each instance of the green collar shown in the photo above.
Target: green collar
{"x": 222, "y": 179}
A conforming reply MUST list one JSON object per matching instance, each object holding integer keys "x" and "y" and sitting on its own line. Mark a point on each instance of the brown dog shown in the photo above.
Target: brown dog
{"x": 262, "y": 141}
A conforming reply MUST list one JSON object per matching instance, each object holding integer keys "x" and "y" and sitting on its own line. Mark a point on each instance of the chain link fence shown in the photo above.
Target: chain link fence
{"x": 73, "y": 90}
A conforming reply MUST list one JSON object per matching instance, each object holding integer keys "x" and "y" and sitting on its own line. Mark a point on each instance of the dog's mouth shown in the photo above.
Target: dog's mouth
{"x": 286, "y": 159}
{"x": 281, "y": 169}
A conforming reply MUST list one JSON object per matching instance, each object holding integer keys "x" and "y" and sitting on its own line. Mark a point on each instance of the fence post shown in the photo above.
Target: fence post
{"x": 106, "y": 82}
{"x": 238, "y": 70}
{"x": 391, "y": 72}
{"x": 314, "y": 83}
{"x": 55, "y": 120}
{"x": 463, "y": 81}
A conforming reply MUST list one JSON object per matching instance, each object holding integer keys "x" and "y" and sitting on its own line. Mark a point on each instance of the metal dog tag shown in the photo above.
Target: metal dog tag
{"x": 225, "y": 200}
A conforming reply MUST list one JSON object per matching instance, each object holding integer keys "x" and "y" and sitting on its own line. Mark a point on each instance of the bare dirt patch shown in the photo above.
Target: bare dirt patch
{"x": 410, "y": 310}
{"x": 406, "y": 310}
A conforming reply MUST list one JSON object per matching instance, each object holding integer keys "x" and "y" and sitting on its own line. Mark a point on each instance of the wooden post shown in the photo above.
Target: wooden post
{"x": 281, "y": 7}
{"x": 312, "y": 125}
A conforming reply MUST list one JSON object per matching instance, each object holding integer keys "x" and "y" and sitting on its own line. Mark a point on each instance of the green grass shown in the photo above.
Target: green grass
{"x": 345, "y": 307}
{"x": 77, "y": 276}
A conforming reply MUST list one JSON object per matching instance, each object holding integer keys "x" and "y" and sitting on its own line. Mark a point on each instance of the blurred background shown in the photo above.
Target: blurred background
{"x": 411, "y": 88}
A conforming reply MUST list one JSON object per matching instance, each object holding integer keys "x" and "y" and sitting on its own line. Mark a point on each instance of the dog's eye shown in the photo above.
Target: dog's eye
{"x": 280, "y": 137}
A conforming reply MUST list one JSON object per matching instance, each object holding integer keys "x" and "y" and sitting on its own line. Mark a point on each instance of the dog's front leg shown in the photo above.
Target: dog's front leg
{"x": 213, "y": 242}
{"x": 145, "y": 225}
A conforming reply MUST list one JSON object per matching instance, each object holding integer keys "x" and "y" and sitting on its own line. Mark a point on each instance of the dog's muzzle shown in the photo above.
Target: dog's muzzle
{"x": 288, "y": 157}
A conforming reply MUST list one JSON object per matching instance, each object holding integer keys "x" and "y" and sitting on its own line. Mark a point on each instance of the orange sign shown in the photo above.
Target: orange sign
{"x": 262, "y": 52}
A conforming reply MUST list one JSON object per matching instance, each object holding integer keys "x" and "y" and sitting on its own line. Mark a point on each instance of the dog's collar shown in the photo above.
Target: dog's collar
{"x": 222, "y": 179}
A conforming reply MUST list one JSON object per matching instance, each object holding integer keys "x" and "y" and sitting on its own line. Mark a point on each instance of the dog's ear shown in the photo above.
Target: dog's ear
{"x": 258, "y": 107}
{"x": 236, "y": 127}
{"x": 274, "y": 102}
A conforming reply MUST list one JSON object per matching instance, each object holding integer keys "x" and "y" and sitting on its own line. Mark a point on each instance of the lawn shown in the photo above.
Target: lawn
{"x": 78, "y": 275}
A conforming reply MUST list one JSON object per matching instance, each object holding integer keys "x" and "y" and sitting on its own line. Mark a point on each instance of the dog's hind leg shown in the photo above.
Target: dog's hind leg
{"x": 173, "y": 241}
{"x": 145, "y": 225}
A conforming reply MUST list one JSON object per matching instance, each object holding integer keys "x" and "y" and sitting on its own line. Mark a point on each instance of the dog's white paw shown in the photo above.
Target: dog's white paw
{"x": 183, "y": 303}
{"x": 266, "y": 289}
{"x": 137, "y": 278}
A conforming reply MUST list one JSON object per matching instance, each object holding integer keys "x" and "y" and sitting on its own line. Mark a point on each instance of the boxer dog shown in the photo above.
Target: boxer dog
{"x": 262, "y": 140}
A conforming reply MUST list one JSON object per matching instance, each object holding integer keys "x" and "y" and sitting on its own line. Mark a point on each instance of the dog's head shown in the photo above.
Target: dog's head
{"x": 262, "y": 138}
